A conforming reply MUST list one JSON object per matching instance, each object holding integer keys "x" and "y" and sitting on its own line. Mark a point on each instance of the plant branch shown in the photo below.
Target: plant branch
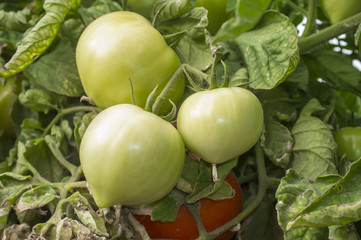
{"x": 262, "y": 187}
{"x": 295, "y": 6}
{"x": 311, "y": 19}
{"x": 308, "y": 43}
{"x": 64, "y": 112}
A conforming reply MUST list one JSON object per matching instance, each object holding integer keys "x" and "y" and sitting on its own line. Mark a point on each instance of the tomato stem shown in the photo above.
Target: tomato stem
{"x": 64, "y": 112}
{"x": 308, "y": 43}
{"x": 262, "y": 187}
{"x": 59, "y": 156}
{"x": 163, "y": 94}
{"x": 295, "y": 6}
{"x": 311, "y": 19}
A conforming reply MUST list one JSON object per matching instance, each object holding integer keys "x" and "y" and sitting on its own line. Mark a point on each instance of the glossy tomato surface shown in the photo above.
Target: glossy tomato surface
{"x": 121, "y": 48}
{"x": 8, "y": 96}
{"x": 213, "y": 215}
{"x": 130, "y": 156}
{"x": 217, "y": 14}
{"x": 338, "y": 10}
{"x": 221, "y": 124}
{"x": 348, "y": 140}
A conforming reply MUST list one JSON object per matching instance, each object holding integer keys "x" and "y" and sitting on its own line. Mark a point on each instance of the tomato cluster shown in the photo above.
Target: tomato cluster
{"x": 131, "y": 156}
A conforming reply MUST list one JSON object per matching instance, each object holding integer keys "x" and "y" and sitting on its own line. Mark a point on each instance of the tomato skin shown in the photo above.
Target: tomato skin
{"x": 130, "y": 156}
{"x": 120, "y": 47}
{"x": 213, "y": 215}
{"x": 338, "y": 10}
{"x": 143, "y": 7}
{"x": 217, "y": 14}
{"x": 221, "y": 124}
{"x": 8, "y": 96}
{"x": 348, "y": 140}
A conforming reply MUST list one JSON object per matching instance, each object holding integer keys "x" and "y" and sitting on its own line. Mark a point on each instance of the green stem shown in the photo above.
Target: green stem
{"x": 59, "y": 156}
{"x": 64, "y": 112}
{"x": 295, "y": 6}
{"x": 262, "y": 187}
{"x": 311, "y": 19}
{"x": 308, "y": 43}
{"x": 163, "y": 94}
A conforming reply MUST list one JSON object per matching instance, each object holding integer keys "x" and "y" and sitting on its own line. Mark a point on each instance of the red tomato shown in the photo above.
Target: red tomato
{"x": 213, "y": 215}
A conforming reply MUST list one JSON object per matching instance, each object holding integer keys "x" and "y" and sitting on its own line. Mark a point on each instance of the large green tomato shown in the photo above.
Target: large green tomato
{"x": 338, "y": 10}
{"x": 120, "y": 47}
{"x": 143, "y": 7}
{"x": 130, "y": 156}
{"x": 8, "y": 96}
{"x": 217, "y": 14}
{"x": 348, "y": 140}
{"x": 220, "y": 124}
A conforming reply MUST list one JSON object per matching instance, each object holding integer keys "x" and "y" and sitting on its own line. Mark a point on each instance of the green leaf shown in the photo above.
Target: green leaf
{"x": 12, "y": 186}
{"x": 56, "y": 71}
{"x": 334, "y": 68}
{"x": 270, "y": 50}
{"x": 247, "y": 15}
{"x": 35, "y": 198}
{"x": 39, "y": 38}
{"x": 340, "y": 205}
{"x": 340, "y": 232}
{"x": 38, "y": 100}
{"x": 206, "y": 187}
{"x": 294, "y": 194}
{"x": 168, "y": 10}
{"x": 314, "y": 143}
{"x": 97, "y": 9}
{"x": 38, "y": 155}
{"x": 16, "y": 21}
{"x": 166, "y": 209}
{"x": 277, "y": 141}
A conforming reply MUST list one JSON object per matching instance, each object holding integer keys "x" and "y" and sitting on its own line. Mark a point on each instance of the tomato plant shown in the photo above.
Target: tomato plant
{"x": 123, "y": 47}
{"x": 8, "y": 96}
{"x": 339, "y": 10}
{"x": 213, "y": 214}
{"x": 143, "y": 7}
{"x": 220, "y": 124}
{"x": 348, "y": 140}
{"x": 217, "y": 14}
{"x": 130, "y": 156}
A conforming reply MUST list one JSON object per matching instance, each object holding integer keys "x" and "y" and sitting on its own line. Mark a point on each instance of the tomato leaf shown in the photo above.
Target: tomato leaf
{"x": 329, "y": 209}
{"x": 205, "y": 187}
{"x": 334, "y": 68}
{"x": 343, "y": 232}
{"x": 247, "y": 15}
{"x": 12, "y": 186}
{"x": 294, "y": 194}
{"x": 270, "y": 51}
{"x": 38, "y": 100}
{"x": 277, "y": 140}
{"x": 16, "y": 21}
{"x": 166, "y": 209}
{"x": 61, "y": 61}
{"x": 35, "y": 198}
{"x": 97, "y": 9}
{"x": 314, "y": 144}
{"x": 39, "y": 38}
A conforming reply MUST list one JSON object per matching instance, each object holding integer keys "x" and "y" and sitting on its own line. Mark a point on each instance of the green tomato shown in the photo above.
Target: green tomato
{"x": 348, "y": 140}
{"x": 217, "y": 14}
{"x": 338, "y": 10}
{"x": 120, "y": 47}
{"x": 130, "y": 156}
{"x": 8, "y": 96}
{"x": 220, "y": 124}
{"x": 143, "y": 7}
